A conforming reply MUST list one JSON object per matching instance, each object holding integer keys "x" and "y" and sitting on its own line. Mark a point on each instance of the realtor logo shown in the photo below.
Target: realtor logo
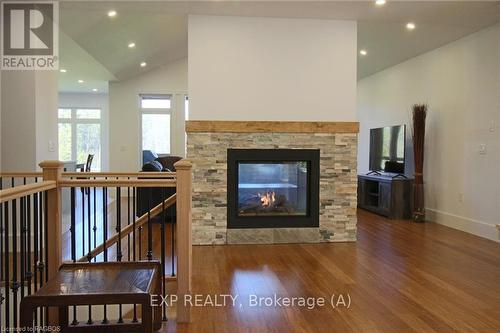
{"x": 30, "y": 35}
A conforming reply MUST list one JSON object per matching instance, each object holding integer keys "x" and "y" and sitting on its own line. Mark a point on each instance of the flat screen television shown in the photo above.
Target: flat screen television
{"x": 387, "y": 149}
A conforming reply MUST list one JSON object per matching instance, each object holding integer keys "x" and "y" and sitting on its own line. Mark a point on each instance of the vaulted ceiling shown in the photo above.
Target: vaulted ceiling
{"x": 94, "y": 47}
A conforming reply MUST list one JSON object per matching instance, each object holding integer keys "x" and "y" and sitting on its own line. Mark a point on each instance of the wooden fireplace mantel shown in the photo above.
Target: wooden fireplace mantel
{"x": 213, "y": 126}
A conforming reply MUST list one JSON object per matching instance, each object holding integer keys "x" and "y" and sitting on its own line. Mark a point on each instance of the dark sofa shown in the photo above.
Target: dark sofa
{"x": 149, "y": 197}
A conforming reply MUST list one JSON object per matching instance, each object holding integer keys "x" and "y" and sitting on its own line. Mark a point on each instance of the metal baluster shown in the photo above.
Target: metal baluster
{"x": 119, "y": 243}
{"x": 22, "y": 239}
{"x": 1, "y": 303}
{"x": 118, "y": 224}
{"x": 163, "y": 263}
{"x": 40, "y": 263}
{"x": 82, "y": 190}
{"x": 105, "y": 221}
{"x": 134, "y": 216}
{"x": 72, "y": 230}
{"x": 150, "y": 228}
{"x": 89, "y": 224}
{"x": 2, "y": 251}
{"x": 128, "y": 222}
{"x": 86, "y": 191}
{"x": 29, "y": 273}
{"x": 134, "y": 320}
{"x": 140, "y": 243}
{"x": 35, "y": 247}
{"x": 14, "y": 284}
{"x": 40, "y": 240}
{"x": 22, "y": 247}
{"x": 105, "y": 237}
{"x": 7, "y": 264}
{"x": 2, "y": 271}
{"x": 95, "y": 220}
{"x": 46, "y": 239}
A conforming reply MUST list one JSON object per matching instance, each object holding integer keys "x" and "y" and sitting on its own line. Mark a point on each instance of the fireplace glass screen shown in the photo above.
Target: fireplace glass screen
{"x": 273, "y": 189}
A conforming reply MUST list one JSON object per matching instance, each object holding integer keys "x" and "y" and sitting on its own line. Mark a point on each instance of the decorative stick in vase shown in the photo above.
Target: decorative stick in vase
{"x": 419, "y": 115}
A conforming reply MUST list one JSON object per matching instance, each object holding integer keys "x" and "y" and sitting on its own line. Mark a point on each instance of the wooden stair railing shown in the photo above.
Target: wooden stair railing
{"x": 52, "y": 180}
{"x": 129, "y": 228}
{"x": 182, "y": 181}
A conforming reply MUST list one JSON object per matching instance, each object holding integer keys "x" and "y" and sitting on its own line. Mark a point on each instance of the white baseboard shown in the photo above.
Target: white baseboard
{"x": 475, "y": 227}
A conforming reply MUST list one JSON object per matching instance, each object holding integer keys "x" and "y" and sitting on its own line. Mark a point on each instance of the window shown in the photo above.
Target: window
{"x": 79, "y": 131}
{"x": 155, "y": 102}
{"x": 155, "y": 133}
{"x": 156, "y": 123}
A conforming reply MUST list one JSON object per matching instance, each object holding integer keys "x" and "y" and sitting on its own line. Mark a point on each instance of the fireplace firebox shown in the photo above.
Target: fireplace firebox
{"x": 272, "y": 188}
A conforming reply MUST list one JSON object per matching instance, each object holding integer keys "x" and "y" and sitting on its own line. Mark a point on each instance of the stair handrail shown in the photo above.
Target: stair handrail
{"x": 20, "y": 191}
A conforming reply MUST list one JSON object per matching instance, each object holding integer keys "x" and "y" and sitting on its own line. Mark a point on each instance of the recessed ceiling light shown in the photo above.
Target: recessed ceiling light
{"x": 380, "y": 2}
{"x": 410, "y": 26}
{"x": 143, "y": 64}
{"x": 112, "y": 13}
{"x": 363, "y": 52}
{"x": 95, "y": 89}
{"x": 131, "y": 45}
{"x": 62, "y": 70}
{"x": 80, "y": 81}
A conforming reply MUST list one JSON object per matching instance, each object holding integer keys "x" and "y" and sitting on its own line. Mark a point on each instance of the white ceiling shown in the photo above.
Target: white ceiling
{"x": 80, "y": 65}
{"x": 97, "y": 51}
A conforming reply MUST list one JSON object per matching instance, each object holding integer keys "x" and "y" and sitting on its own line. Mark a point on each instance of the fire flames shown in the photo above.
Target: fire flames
{"x": 267, "y": 199}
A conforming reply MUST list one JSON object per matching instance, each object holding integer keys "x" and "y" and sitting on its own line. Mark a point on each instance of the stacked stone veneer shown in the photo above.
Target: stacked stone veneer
{"x": 338, "y": 184}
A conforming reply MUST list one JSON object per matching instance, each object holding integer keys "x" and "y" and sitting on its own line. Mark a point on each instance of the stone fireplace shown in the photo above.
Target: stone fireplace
{"x": 273, "y": 182}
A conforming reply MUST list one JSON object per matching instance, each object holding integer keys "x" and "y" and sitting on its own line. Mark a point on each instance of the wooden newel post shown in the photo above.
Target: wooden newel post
{"x": 52, "y": 171}
{"x": 184, "y": 244}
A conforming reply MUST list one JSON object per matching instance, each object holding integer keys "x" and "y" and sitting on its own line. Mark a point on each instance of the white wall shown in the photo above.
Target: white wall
{"x": 252, "y": 68}
{"x": 91, "y": 100}
{"x": 461, "y": 84}
{"x": 18, "y": 116}
{"x": 28, "y": 122}
{"x": 124, "y": 113}
{"x": 46, "y": 115}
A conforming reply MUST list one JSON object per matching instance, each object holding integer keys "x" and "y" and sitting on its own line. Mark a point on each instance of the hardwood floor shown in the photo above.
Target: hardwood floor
{"x": 400, "y": 276}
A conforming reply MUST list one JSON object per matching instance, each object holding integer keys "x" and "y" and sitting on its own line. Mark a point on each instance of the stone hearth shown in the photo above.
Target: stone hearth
{"x": 207, "y": 144}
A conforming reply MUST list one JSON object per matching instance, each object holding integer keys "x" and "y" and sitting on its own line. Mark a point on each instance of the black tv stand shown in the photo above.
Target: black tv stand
{"x": 399, "y": 175}
{"x": 386, "y": 195}
{"x": 374, "y": 173}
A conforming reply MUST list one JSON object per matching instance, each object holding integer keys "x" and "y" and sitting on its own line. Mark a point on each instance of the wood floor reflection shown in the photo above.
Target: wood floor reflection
{"x": 400, "y": 276}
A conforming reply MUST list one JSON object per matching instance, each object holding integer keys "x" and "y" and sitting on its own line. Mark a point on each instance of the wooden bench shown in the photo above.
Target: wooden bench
{"x": 100, "y": 284}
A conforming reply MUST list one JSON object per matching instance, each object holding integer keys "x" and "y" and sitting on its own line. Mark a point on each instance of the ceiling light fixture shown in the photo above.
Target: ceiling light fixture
{"x": 112, "y": 13}
{"x": 410, "y": 26}
{"x": 380, "y": 2}
{"x": 80, "y": 81}
{"x": 95, "y": 89}
{"x": 363, "y": 52}
{"x": 131, "y": 45}
{"x": 143, "y": 64}
{"x": 62, "y": 70}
